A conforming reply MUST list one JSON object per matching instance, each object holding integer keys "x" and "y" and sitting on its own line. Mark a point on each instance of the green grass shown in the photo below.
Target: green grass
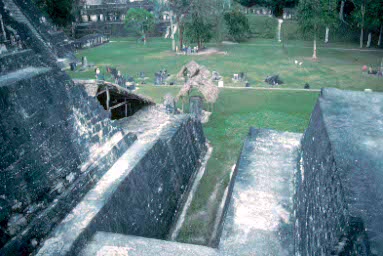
{"x": 234, "y": 113}
{"x": 257, "y": 58}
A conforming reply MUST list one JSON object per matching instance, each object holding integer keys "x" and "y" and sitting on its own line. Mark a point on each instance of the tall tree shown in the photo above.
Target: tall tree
{"x": 380, "y": 17}
{"x": 180, "y": 9}
{"x": 329, "y": 16}
{"x": 374, "y": 19}
{"x": 198, "y": 31}
{"x": 140, "y": 21}
{"x": 205, "y": 11}
{"x": 312, "y": 13}
{"x": 359, "y": 15}
{"x": 237, "y": 24}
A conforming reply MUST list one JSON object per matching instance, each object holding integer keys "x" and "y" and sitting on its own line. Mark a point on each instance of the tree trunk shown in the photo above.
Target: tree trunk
{"x": 327, "y": 33}
{"x": 181, "y": 36}
{"x": 341, "y": 11}
{"x": 315, "y": 47}
{"x": 280, "y": 21}
{"x": 362, "y": 26}
{"x": 380, "y": 36}
{"x": 368, "y": 45}
{"x": 361, "y": 37}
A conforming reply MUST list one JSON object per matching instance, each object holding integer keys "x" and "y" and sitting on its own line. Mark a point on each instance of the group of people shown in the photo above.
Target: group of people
{"x": 371, "y": 71}
{"x": 188, "y": 50}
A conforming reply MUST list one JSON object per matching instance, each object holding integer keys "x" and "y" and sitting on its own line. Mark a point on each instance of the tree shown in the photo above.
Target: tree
{"x": 206, "y": 11}
{"x": 380, "y": 15}
{"x": 180, "y": 9}
{"x": 359, "y": 16}
{"x": 329, "y": 16}
{"x": 237, "y": 24}
{"x": 60, "y": 11}
{"x": 312, "y": 13}
{"x": 374, "y": 19}
{"x": 140, "y": 21}
{"x": 197, "y": 31}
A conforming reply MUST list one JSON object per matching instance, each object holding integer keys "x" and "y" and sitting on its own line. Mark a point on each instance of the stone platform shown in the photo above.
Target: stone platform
{"x": 106, "y": 244}
{"x": 143, "y": 191}
{"x": 259, "y": 217}
{"x": 339, "y": 201}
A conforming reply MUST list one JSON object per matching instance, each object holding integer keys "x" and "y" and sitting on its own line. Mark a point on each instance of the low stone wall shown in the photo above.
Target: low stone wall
{"x": 142, "y": 192}
{"x": 146, "y": 203}
{"x": 339, "y": 187}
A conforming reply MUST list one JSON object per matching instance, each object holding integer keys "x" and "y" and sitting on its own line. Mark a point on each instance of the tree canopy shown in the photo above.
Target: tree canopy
{"x": 139, "y": 21}
{"x": 237, "y": 25}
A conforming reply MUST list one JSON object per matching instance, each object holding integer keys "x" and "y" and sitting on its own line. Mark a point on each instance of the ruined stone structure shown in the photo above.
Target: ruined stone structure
{"x": 108, "y": 16}
{"x": 319, "y": 195}
{"x": 90, "y": 41}
{"x": 75, "y": 182}
{"x": 26, "y": 20}
{"x": 339, "y": 188}
{"x": 60, "y": 152}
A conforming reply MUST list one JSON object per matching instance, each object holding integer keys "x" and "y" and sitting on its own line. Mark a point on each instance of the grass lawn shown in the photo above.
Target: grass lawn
{"x": 257, "y": 58}
{"x": 234, "y": 113}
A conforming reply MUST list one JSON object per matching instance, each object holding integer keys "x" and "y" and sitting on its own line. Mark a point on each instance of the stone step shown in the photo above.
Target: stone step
{"x": 22, "y": 74}
{"x": 18, "y": 15}
{"x": 258, "y": 220}
{"x": 13, "y": 61}
{"x": 104, "y": 243}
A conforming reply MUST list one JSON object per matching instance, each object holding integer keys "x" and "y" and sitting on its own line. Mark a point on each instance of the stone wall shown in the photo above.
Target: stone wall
{"x": 339, "y": 202}
{"x": 146, "y": 203}
{"x": 144, "y": 190}
{"x": 55, "y": 143}
{"x": 55, "y": 140}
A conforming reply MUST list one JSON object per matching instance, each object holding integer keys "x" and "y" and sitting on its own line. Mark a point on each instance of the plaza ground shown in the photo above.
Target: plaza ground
{"x": 339, "y": 65}
{"x": 236, "y": 110}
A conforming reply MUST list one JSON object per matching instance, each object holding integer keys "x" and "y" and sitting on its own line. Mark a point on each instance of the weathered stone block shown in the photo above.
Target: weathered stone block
{"x": 339, "y": 201}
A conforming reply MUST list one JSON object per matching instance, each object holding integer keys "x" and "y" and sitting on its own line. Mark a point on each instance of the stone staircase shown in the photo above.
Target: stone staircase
{"x": 19, "y": 16}
{"x": 13, "y": 61}
{"x": 56, "y": 142}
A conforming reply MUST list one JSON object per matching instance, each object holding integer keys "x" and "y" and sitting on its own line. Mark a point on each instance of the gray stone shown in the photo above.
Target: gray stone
{"x": 16, "y": 223}
{"x": 259, "y": 218}
{"x": 339, "y": 201}
{"x": 159, "y": 164}
{"x": 105, "y": 244}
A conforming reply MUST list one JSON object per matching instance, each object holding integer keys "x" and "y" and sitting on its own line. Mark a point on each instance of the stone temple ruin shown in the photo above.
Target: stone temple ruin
{"x": 108, "y": 17}
{"x": 76, "y": 182}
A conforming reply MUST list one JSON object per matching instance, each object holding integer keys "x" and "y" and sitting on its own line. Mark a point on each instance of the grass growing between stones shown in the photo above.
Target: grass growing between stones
{"x": 339, "y": 65}
{"x": 234, "y": 113}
